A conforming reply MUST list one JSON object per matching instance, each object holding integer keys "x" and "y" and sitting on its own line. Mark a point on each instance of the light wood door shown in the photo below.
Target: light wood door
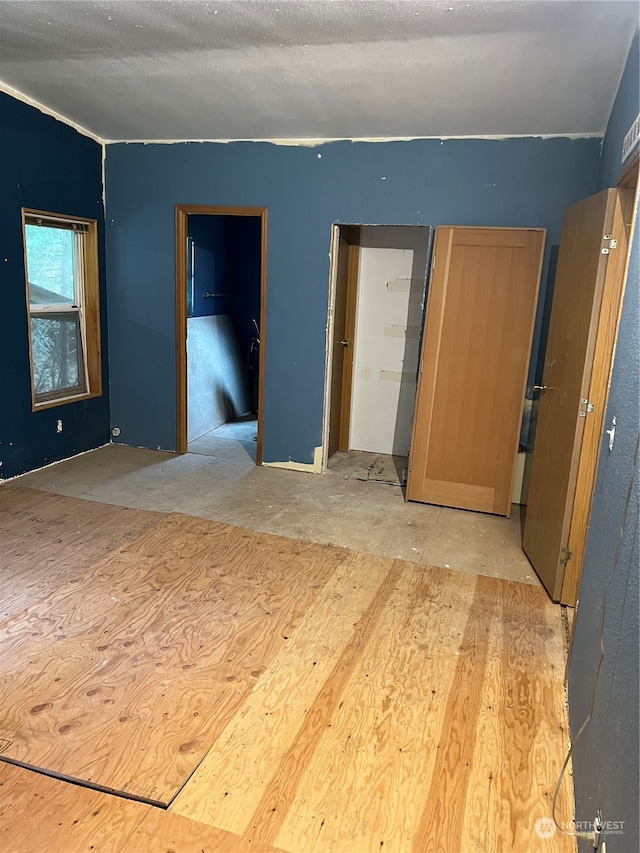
{"x": 584, "y": 318}
{"x": 475, "y": 353}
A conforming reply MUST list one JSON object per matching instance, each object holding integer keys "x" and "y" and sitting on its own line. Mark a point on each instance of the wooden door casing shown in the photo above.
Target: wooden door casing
{"x": 344, "y": 326}
{"x": 353, "y": 263}
{"x": 181, "y": 214}
{"x": 475, "y": 354}
{"x": 339, "y": 334}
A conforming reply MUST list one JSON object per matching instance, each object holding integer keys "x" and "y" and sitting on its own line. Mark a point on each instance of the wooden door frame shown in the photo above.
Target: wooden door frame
{"x": 182, "y": 212}
{"x": 328, "y": 367}
{"x": 353, "y": 269}
{"x": 350, "y": 232}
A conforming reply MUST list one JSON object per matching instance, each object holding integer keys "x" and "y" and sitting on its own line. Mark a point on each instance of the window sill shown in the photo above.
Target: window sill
{"x": 63, "y": 401}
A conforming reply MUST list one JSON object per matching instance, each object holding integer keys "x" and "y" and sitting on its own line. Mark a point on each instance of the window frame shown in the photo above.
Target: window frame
{"x": 86, "y": 306}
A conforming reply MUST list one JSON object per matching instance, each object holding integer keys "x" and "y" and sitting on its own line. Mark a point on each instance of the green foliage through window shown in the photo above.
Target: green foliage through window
{"x": 54, "y": 252}
{"x": 51, "y": 264}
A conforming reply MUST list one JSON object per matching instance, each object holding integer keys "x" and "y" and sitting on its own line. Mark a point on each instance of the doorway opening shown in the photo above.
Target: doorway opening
{"x": 376, "y": 305}
{"x": 220, "y": 307}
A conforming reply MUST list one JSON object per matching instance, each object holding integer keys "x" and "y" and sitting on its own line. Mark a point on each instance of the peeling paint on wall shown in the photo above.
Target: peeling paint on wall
{"x": 314, "y": 467}
{"x": 315, "y": 143}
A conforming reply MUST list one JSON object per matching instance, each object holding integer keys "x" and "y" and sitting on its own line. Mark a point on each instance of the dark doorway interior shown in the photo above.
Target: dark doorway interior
{"x": 223, "y": 278}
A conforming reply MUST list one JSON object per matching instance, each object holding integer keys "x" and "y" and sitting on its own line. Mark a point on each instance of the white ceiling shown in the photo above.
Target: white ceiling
{"x": 292, "y": 69}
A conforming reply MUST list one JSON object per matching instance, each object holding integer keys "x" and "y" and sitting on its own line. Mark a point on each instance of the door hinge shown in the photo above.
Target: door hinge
{"x": 588, "y": 408}
{"x": 433, "y": 262}
{"x": 612, "y": 244}
{"x": 565, "y": 556}
{"x": 421, "y": 364}
{"x": 410, "y": 464}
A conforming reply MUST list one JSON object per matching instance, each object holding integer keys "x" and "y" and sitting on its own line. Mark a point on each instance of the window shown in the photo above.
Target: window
{"x": 61, "y": 262}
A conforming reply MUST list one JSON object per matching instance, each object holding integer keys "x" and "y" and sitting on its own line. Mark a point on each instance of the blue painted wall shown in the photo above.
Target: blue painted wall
{"x": 227, "y": 261}
{"x": 605, "y": 765}
{"x": 212, "y": 263}
{"x": 46, "y": 165}
{"x": 245, "y": 235}
{"x": 516, "y": 182}
{"x": 625, "y": 109}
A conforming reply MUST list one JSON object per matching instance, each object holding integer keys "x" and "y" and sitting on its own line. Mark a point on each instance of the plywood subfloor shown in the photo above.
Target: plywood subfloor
{"x": 294, "y": 696}
{"x": 126, "y": 674}
{"x": 428, "y": 715}
{"x": 48, "y": 540}
{"x": 39, "y": 813}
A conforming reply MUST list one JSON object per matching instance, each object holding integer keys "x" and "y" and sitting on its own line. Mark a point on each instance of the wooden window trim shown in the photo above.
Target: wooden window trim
{"x": 89, "y": 310}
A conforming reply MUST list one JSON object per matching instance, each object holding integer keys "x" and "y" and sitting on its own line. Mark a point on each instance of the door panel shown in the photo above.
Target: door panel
{"x": 573, "y": 329}
{"x": 475, "y": 354}
{"x": 343, "y": 334}
{"x": 339, "y": 332}
{"x": 353, "y": 256}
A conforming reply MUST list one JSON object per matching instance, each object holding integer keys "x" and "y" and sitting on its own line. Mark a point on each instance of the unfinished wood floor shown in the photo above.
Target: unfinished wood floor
{"x": 272, "y": 694}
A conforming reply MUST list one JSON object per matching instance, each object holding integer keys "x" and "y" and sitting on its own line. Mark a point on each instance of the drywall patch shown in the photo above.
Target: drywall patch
{"x": 393, "y": 330}
{"x": 397, "y": 376}
{"x": 403, "y": 285}
{"x": 314, "y": 467}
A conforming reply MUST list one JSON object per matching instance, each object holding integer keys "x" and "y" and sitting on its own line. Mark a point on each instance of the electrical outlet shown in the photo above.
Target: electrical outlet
{"x": 59, "y": 425}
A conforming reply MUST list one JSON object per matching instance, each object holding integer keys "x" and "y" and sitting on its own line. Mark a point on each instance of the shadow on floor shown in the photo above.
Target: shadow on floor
{"x": 227, "y": 440}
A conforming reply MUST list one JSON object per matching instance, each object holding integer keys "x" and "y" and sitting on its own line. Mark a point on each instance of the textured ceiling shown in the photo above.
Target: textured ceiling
{"x": 284, "y": 69}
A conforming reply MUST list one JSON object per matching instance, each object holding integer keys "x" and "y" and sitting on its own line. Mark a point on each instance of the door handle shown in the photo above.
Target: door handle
{"x": 344, "y": 343}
